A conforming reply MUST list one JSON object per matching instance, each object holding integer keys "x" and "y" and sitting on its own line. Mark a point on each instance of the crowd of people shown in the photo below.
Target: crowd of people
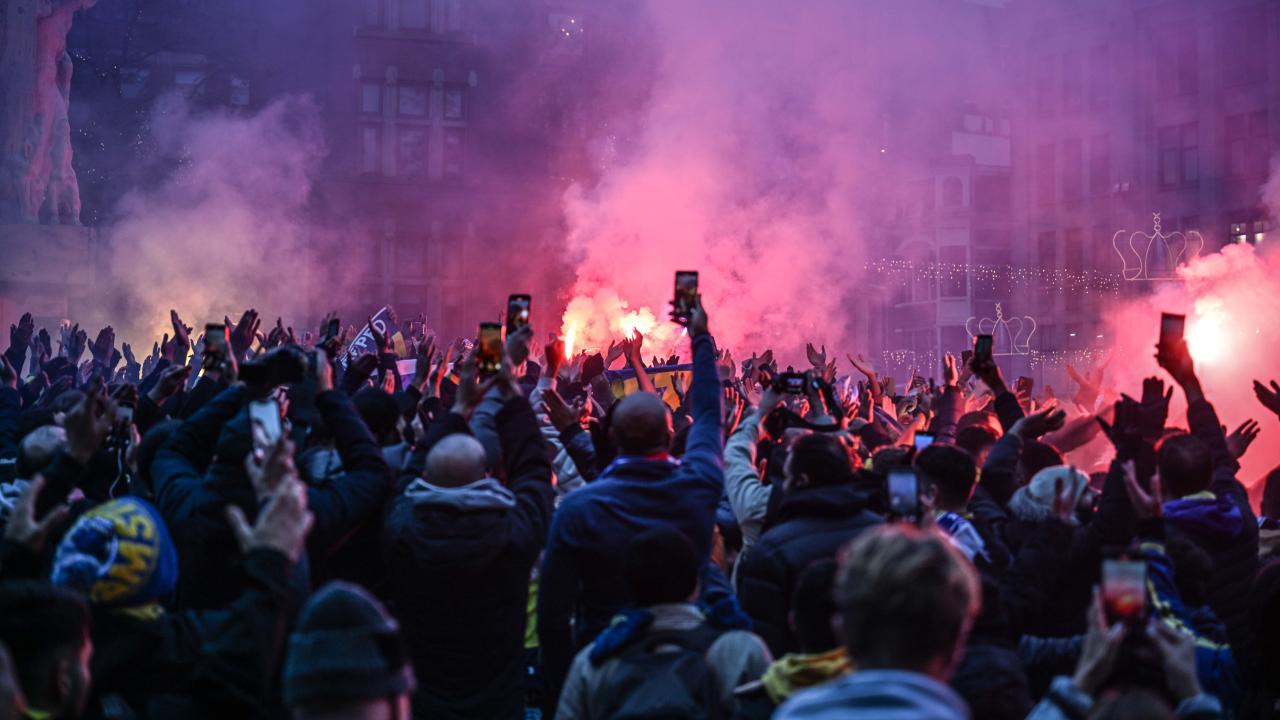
{"x": 263, "y": 524}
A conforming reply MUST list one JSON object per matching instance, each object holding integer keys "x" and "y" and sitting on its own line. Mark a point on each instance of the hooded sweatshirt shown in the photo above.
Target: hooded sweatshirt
{"x": 877, "y": 695}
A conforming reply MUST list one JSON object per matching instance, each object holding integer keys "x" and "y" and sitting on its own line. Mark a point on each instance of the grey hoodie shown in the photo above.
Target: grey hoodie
{"x": 483, "y": 494}
{"x": 877, "y": 695}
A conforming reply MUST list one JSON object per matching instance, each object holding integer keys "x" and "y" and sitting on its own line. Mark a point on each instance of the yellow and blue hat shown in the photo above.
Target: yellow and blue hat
{"x": 118, "y": 554}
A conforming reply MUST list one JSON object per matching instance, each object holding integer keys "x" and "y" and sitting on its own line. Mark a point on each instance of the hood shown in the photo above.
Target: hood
{"x": 483, "y": 494}
{"x": 878, "y": 695}
{"x": 792, "y": 673}
{"x": 844, "y": 500}
{"x": 1205, "y": 516}
{"x": 397, "y": 456}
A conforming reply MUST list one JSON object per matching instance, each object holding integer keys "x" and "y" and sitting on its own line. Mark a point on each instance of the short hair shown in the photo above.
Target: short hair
{"x": 890, "y": 458}
{"x": 378, "y": 410}
{"x": 975, "y": 439}
{"x": 906, "y": 597}
{"x": 41, "y": 624}
{"x": 1185, "y": 465}
{"x": 813, "y": 606}
{"x": 1038, "y": 455}
{"x": 640, "y": 423}
{"x": 660, "y": 566}
{"x": 822, "y": 459}
{"x": 949, "y": 469}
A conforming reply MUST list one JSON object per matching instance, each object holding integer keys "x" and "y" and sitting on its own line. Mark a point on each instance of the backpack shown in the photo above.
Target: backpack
{"x": 663, "y": 675}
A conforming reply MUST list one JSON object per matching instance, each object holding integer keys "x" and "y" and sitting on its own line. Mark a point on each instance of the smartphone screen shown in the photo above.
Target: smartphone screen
{"x": 1124, "y": 589}
{"x": 904, "y": 493}
{"x": 983, "y": 346}
{"x": 923, "y": 440}
{"x": 489, "y": 348}
{"x": 1172, "y": 328}
{"x": 518, "y": 312}
{"x": 685, "y": 294}
{"x": 793, "y": 383}
{"x": 215, "y": 346}
{"x": 265, "y": 414}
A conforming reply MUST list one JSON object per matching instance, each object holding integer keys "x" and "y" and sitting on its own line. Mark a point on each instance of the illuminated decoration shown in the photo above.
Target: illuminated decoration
{"x": 1154, "y": 255}
{"x": 1085, "y": 281}
{"x": 1009, "y": 337}
{"x": 1058, "y": 358}
{"x": 909, "y": 359}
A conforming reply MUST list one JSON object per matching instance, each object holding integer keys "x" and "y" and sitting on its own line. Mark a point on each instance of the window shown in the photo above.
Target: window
{"x": 991, "y": 193}
{"x": 455, "y": 102}
{"x": 1044, "y": 87}
{"x": 954, "y": 282}
{"x": 952, "y": 192}
{"x": 454, "y": 148}
{"x": 1046, "y": 168}
{"x": 370, "y": 98}
{"x": 1100, "y": 70}
{"x": 1247, "y": 148}
{"x": 1242, "y": 43}
{"x": 413, "y": 100}
{"x": 1047, "y": 250}
{"x": 1249, "y": 227}
{"x": 1073, "y": 249}
{"x": 1072, "y": 171}
{"x": 1100, "y": 165}
{"x": 411, "y": 151}
{"x": 370, "y": 148}
{"x": 188, "y": 81}
{"x": 1072, "y": 83}
{"x": 1176, "y": 61}
{"x": 413, "y": 14}
{"x": 1179, "y": 155}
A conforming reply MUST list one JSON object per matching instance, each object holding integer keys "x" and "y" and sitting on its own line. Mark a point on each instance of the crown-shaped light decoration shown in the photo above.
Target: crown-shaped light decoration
{"x": 1010, "y": 336}
{"x": 1154, "y": 255}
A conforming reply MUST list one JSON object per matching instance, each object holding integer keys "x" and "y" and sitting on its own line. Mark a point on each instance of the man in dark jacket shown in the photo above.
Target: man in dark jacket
{"x": 200, "y": 471}
{"x": 821, "y": 510}
{"x": 459, "y": 548}
{"x": 644, "y": 487}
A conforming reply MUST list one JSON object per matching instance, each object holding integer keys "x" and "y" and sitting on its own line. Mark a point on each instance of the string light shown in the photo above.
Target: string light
{"x": 1084, "y": 281}
{"x": 1058, "y": 358}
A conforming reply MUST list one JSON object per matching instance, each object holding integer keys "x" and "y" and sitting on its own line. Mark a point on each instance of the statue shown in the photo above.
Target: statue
{"x": 37, "y": 180}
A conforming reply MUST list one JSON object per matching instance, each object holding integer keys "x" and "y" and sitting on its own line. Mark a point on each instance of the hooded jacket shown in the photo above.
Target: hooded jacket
{"x": 458, "y": 562}
{"x": 813, "y": 523}
{"x": 877, "y": 695}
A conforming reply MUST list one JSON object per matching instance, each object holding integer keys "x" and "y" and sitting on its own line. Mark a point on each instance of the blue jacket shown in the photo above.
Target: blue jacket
{"x": 877, "y": 695}
{"x": 582, "y": 570}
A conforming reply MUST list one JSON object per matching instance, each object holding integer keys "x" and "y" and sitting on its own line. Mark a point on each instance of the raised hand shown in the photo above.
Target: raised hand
{"x": 698, "y": 319}
{"x": 242, "y": 335}
{"x": 379, "y": 340}
{"x": 1178, "y": 659}
{"x": 1125, "y": 430}
{"x": 860, "y": 364}
{"x": 950, "y": 372}
{"x": 733, "y": 405}
{"x": 89, "y": 422}
{"x": 635, "y": 349}
{"x": 324, "y": 370}
{"x": 1040, "y": 423}
{"x": 171, "y": 381}
{"x": 553, "y": 355}
{"x": 103, "y": 345}
{"x": 20, "y": 334}
{"x": 1145, "y": 504}
{"x": 817, "y": 358}
{"x": 282, "y": 525}
{"x": 517, "y": 345}
{"x": 1176, "y": 360}
{"x": 1101, "y": 648}
{"x": 1268, "y": 396}
{"x": 8, "y": 376}
{"x": 1241, "y": 438}
{"x": 563, "y": 415}
{"x": 270, "y": 467}
{"x": 616, "y": 350}
{"x": 181, "y": 338}
{"x": 1154, "y": 407}
{"x": 469, "y": 393}
{"x": 23, "y": 529}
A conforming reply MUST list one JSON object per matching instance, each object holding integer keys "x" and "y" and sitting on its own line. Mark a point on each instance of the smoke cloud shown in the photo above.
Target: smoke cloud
{"x": 230, "y": 225}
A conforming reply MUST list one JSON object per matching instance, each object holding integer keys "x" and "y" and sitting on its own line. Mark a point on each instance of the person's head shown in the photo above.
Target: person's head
{"x": 1034, "y": 501}
{"x": 455, "y": 461}
{"x": 46, "y": 629}
{"x": 980, "y": 418}
{"x": 1131, "y": 704}
{"x": 949, "y": 470}
{"x": 813, "y": 606}
{"x": 347, "y": 659}
{"x": 38, "y": 448}
{"x": 816, "y": 459}
{"x": 641, "y": 425}
{"x": 660, "y": 566}
{"x": 118, "y": 555}
{"x": 906, "y": 599}
{"x": 380, "y": 412}
{"x": 890, "y": 458}
{"x": 977, "y": 441}
{"x": 1185, "y": 465}
{"x": 1036, "y": 456}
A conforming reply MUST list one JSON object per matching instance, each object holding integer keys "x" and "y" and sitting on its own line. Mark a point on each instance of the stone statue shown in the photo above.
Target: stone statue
{"x": 36, "y": 178}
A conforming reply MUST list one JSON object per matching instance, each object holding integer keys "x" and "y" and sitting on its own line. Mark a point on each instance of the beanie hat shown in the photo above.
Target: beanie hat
{"x": 346, "y": 647}
{"x": 118, "y": 555}
{"x": 1034, "y": 501}
{"x": 378, "y": 410}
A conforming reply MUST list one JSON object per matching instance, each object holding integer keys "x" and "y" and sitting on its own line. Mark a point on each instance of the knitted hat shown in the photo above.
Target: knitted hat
{"x": 119, "y": 555}
{"x": 1034, "y": 501}
{"x": 345, "y": 648}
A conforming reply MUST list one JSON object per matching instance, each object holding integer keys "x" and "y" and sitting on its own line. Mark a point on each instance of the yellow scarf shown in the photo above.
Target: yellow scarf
{"x": 795, "y": 672}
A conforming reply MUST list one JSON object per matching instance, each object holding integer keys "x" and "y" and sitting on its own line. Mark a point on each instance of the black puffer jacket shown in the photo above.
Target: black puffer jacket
{"x": 812, "y": 524}
{"x": 458, "y": 564}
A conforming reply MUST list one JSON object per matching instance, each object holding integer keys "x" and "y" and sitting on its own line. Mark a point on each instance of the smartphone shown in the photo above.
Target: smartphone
{"x": 265, "y": 414}
{"x": 791, "y": 382}
{"x": 904, "y": 492}
{"x": 686, "y": 293}
{"x": 489, "y": 348}
{"x": 517, "y": 312}
{"x": 1124, "y": 590}
{"x": 983, "y": 345}
{"x": 923, "y": 440}
{"x": 1172, "y": 328}
{"x": 1024, "y": 385}
{"x": 216, "y": 345}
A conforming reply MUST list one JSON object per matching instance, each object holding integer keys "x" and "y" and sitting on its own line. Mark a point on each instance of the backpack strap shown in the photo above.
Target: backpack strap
{"x": 698, "y": 639}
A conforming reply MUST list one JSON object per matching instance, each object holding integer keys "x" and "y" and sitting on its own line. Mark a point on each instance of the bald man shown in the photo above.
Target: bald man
{"x": 644, "y": 488}
{"x": 459, "y": 547}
